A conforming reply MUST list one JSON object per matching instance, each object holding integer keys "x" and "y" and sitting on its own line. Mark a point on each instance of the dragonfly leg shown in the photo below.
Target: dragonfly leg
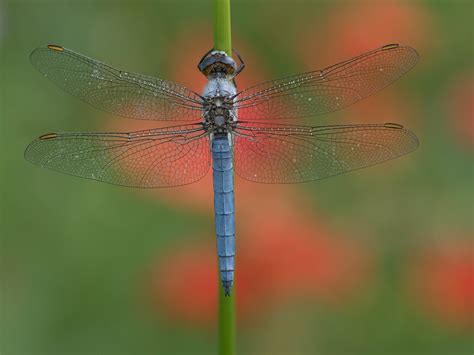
{"x": 242, "y": 63}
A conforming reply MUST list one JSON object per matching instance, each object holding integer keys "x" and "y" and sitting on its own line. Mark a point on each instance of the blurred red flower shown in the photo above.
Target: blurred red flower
{"x": 281, "y": 255}
{"x": 442, "y": 280}
{"x": 461, "y": 107}
{"x": 360, "y": 25}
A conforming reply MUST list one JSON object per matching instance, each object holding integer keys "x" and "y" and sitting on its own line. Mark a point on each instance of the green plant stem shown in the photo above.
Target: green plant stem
{"x": 222, "y": 33}
{"x": 226, "y": 322}
{"x": 222, "y": 42}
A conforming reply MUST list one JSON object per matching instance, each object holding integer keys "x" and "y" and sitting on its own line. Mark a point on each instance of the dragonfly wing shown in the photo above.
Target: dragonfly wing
{"x": 152, "y": 158}
{"x": 327, "y": 90}
{"x": 121, "y": 93}
{"x": 291, "y": 154}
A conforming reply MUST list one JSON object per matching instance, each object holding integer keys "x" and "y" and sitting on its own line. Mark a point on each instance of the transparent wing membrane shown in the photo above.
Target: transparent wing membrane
{"x": 264, "y": 153}
{"x": 327, "y": 90}
{"x": 121, "y": 93}
{"x": 152, "y": 158}
{"x": 292, "y": 154}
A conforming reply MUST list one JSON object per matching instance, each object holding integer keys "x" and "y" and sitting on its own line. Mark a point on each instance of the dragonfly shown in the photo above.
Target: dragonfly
{"x": 230, "y": 130}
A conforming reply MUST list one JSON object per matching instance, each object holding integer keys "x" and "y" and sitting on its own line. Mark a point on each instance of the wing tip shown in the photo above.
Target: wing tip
{"x": 416, "y": 140}
{"x": 48, "y": 47}
{"x": 413, "y": 136}
{"x": 393, "y": 46}
{"x": 29, "y": 152}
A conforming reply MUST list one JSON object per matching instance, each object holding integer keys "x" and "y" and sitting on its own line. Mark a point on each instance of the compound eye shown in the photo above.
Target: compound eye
{"x": 205, "y": 65}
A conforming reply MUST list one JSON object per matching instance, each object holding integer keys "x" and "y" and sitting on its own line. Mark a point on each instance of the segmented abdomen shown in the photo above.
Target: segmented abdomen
{"x": 223, "y": 176}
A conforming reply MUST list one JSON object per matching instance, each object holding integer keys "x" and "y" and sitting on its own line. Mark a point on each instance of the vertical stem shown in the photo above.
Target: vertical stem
{"x": 222, "y": 42}
{"x": 222, "y": 33}
{"x": 226, "y": 322}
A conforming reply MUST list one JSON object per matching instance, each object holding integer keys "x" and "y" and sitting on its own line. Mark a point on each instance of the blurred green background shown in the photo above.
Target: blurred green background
{"x": 89, "y": 268}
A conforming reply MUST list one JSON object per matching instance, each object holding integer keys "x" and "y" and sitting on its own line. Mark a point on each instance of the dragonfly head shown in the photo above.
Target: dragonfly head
{"x": 217, "y": 63}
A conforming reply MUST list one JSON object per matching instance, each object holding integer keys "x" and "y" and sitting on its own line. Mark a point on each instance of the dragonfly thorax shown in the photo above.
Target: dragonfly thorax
{"x": 218, "y": 115}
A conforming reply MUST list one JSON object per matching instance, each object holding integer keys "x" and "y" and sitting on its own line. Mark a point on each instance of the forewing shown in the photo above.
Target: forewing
{"x": 153, "y": 158}
{"x": 121, "y": 93}
{"x": 326, "y": 90}
{"x": 291, "y": 154}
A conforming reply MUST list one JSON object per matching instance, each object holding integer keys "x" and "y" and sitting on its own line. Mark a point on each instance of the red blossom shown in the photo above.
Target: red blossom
{"x": 360, "y": 25}
{"x": 281, "y": 255}
{"x": 442, "y": 280}
{"x": 184, "y": 283}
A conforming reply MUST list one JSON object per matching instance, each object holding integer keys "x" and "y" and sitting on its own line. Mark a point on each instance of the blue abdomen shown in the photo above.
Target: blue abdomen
{"x": 223, "y": 176}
